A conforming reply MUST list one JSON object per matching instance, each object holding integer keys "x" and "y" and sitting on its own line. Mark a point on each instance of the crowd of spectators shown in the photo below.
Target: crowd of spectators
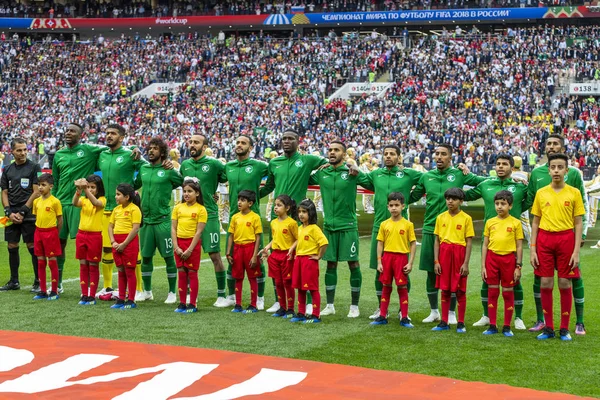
{"x": 120, "y": 9}
{"x": 482, "y": 93}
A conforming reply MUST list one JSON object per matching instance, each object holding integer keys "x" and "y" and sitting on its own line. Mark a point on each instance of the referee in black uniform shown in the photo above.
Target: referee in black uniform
{"x": 19, "y": 184}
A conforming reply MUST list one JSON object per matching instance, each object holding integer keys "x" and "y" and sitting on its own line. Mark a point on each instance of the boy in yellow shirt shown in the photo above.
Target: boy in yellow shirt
{"x": 452, "y": 250}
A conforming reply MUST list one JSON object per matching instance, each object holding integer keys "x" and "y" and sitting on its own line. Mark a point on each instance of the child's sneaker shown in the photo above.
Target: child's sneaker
{"x": 190, "y": 309}
{"x": 539, "y": 326}
{"x": 442, "y": 326}
{"x": 547, "y": 333}
{"x": 580, "y": 329}
{"x": 41, "y": 296}
{"x": 53, "y": 296}
{"x": 91, "y": 301}
{"x": 565, "y": 335}
{"x": 289, "y": 314}
{"x": 119, "y": 304}
{"x": 129, "y": 305}
{"x": 461, "y": 328}
{"x": 312, "y": 320}
{"x": 379, "y": 321}
{"x": 181, "y": 308}
{"x": 492, "y": 330}
{"x": 250, "y": 310}
{"x": 405, "y": 322}
{"x": 452, "y": 318}
{"x": 82, "y": 301}
{"x": 279, "y": 313}
{"x": 237, "y": 309}
{"x": 507, "y": 332}
{"x": 298, "y": 318}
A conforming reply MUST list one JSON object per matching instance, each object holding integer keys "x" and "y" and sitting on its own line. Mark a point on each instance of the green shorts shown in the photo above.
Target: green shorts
{"x": 156, "y": 236}
{"x": 343, "y": 246}
{"x": 211, "y": 236}
{"x": 373, "y": 256}
{"x": 70, "y": 222}
{"x": 426, "y": 261}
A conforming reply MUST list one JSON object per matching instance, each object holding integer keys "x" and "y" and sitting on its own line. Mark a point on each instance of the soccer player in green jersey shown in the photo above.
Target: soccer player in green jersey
{"x": 383, "y": 181}
{"x": 338, "y": 191}
{"x": 155, "y": 233}
{"x": 539, "y": 178}
{"x": 210, "y": 172}
{"x": 434, "y": 184}
{"x": 289, "y": 174}
{"x": 486, "y": 190}
{"x": 245, "y": 173}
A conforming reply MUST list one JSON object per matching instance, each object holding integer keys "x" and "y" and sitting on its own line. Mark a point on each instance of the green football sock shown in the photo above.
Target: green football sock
{"x": 220, "y": 275}
{"x": 147, "y": 268}
{"x": 453, "y": 302}
{"x": 261, "y": 281}
{"x": 518, "y": 289}
{"x": 171, "y": 274}
{"x": 308, "y": 297}
{"x": 484, "y": 298}
{"x": 355, "y": 284}
{"x": 578, "y": 294}
{"x": 432, "y": 292}
{"x": 274, "y": 288}
{"x": 408, "y": 284}
{"x": 537, "y": 282}
{"x": 378, "y": 287}
{"x": 230, "y": 282}
{"x": 330, "y": 284}
{"x": 60, "y": 260}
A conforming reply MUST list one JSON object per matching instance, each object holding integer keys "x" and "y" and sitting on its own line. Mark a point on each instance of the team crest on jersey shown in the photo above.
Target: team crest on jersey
{"x": 400, "y": 174}
{"x": 450, "y": 178}
{"x": 160, "y": 173}
{"x": 48, "y": 208}
{"x": 511, "y": 189}
{"x": 509, "y": 229}
{"x": 344, "y": 176}
{"x": 193, "y": 215}
{"x": 80, "y": 153}
{"x": 306, "y": 237}
{"x": 249, "y": 169}
{"x": 402, "y": 231}
{"x": 567, "y": 203}
{"x": 458, "y": 227}
{"x": 248, "y": 223}
{"x": 127, "y": 213}
{"x": 205, "y": 168}
{"x": 119, "y": 160}
{"x": 299, "y": 163}
{"x": 285, "y": 231}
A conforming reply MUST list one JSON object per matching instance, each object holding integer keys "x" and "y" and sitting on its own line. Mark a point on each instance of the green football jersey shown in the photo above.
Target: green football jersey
{"x": 117, "y": 167}
{"x": 209, "y": 172}
{"x": 487, "y": 189}
{"x": 245, "y": 175}
{"x": 158, "y": 184}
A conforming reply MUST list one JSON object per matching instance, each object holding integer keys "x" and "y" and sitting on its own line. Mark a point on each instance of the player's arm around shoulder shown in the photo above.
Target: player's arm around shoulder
{"x": 475, "y": 193}
{"x": 419, "y": 189}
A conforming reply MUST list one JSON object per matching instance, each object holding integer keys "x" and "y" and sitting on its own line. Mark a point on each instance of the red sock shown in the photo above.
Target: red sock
{"x": 253, "y": 291}
{"x": 493, "y": 294}
{"x": 546, "y": 295}
{"x": 316, "y": 303}
{"x": 42, "y": 275}
{"x": 301, "y": 301}
{"x": 131, "y": 283}
{"x": 461, "y": 299}
{"x": 84, "y": 277}
{"x": 291, "y": 295}
{"x": 566, "y": 303}
{"x": 446, "y": 295}
{"x": 403, "y": 295}
{"x": 122, "y": 285}
{"x": 239, "y": 283}
{"x": 53, "y": 265}
{"x": 94, "y": 279}
{"x": 182, "y": 281}
{"x": 509, "y": 306}
{"x": 386, "y": 294}
{"x": 193, "y": 275}
{"x": 280, "y": 289}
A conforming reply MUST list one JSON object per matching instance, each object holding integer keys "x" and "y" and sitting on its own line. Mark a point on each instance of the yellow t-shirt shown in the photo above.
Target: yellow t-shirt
{"x": 284, "y": 233}
{"x": 46, "y": 211}
{"x": 454, "y": 229}
{"x": 91, "y": 216}
{"x": 188, "y": 218}
{"x": 245, "y": 227}
{"x": 123, "y": 218}
{"x": 310, "y": 239}
{"x": 396, "y": 235}
{"x": 557, "y": 210}
{"x": 503, "y": 234}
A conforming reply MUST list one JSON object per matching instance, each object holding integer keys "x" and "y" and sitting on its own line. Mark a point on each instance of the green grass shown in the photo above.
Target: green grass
{"x": 519, "y": 361}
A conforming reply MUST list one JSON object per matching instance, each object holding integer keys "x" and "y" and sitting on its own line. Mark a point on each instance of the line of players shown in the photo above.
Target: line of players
{"x": 289, "y": 174}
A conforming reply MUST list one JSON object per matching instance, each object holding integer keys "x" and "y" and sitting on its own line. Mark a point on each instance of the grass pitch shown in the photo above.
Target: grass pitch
{"x": 518, "y": 361}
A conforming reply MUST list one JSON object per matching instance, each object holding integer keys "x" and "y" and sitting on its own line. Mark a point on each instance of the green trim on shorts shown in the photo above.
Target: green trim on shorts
{"x": 426, "y": 260}
{"x": 343, "y": 246}
{"x": 156, "y": 236}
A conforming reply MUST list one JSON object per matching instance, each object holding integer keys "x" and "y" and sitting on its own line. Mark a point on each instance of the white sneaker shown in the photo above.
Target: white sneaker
{"x": 187, "y": 299}
{"x": 328, "y": 310}
{"x": 230, "y": 300}
{"x": 143, "y": 296}
{"x": 354, "y": 312}
{"x": 260, "y": 303}
{"x": 519, "y": 324}
{"x": 61, "y": 289}
{"x": 139, "y": 296}
{"x": 221, "y": 302}
{"x": 594, "y": 247}
{"x": 309, "y": 309}
{"x": 434, "y": 316}
{"x": 171, "y": 298}
{"x": 375, "y": 315}
{"x": 273, "y": 308}
{"x": 483, "y": 321}
{"x": 452, "y": 318}
{"x": 418, "y": 243}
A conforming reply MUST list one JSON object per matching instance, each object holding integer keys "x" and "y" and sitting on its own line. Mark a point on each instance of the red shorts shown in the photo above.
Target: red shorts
{"x": 128, "y": 258}
{"x": 193, "y": 262}
{"x": 242, "y": 254}
{"x": 393, "y": 264}
{"x": 554, "y": 250}
{"x": 88, "y": 246}
{"x": 306, "y": 273}
{"x": 280, "y": 268}
{"x": 46, "y": 242}
{"x": 500, "y": 269}
{"x": 452, "y": 257}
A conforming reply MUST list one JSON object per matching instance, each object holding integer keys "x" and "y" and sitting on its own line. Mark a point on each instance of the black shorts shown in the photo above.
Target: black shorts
{"x": 12, "y": 233}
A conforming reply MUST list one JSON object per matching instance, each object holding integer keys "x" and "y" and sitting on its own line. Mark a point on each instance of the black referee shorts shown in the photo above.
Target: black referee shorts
{"x": 13, "y": 233}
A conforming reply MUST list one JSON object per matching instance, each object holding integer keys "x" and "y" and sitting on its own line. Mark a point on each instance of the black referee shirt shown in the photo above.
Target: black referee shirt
{"x": 19, "y": 181}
